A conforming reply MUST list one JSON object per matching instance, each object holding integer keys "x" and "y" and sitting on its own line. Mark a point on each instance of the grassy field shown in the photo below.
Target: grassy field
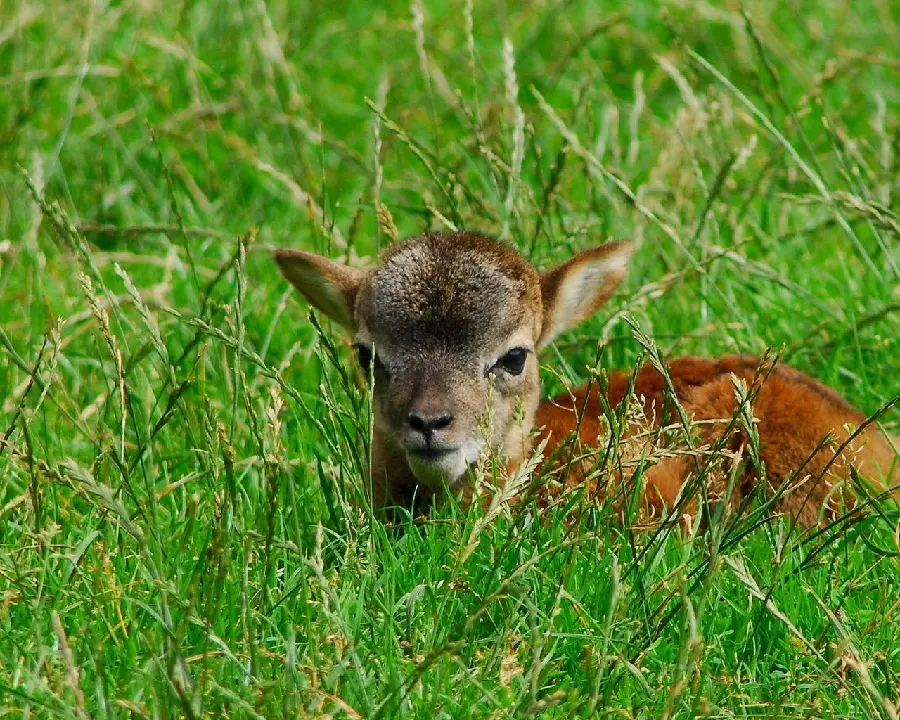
{"x": 181, "y": 453}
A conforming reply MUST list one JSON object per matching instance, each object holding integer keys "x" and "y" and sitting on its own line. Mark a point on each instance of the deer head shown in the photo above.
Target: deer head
{"x": 450, "y": 324}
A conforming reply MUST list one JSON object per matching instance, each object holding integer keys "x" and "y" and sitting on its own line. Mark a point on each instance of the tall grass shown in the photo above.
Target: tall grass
{"x": 183, "y": 508}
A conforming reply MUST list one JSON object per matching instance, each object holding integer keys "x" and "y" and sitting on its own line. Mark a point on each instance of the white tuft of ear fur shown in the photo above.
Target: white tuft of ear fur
{"x": 573, "y": 291}
{"x": 329, "y": 286}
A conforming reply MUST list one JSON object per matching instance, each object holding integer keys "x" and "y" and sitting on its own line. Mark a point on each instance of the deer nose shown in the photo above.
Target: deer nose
{"x": 427, "y": 424}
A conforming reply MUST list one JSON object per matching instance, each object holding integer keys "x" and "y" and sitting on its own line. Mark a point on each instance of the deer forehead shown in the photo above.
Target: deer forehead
{"x": 437, "y": 295}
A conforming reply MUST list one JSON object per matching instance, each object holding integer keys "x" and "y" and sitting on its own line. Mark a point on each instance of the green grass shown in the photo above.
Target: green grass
{"x": 180, "y": 454}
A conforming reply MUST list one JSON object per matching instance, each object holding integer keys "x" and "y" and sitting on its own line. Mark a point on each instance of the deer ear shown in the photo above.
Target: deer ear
{"x": 329, "y": 286}
{"x": 573, "y": 291}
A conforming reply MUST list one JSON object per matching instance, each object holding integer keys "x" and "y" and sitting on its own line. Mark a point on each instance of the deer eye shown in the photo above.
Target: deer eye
{"x": 514, "y": 361}
{"x": 365, "y": 357}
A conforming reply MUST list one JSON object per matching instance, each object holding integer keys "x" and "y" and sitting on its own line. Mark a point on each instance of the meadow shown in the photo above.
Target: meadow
{"x": 183, "y": 448}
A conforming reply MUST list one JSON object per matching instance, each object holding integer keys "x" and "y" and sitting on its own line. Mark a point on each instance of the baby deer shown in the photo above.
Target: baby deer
{"x": 450, "y": 325}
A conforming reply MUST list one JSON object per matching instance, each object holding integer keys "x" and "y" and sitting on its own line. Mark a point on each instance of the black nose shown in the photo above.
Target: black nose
{"x": 427, "y": 424}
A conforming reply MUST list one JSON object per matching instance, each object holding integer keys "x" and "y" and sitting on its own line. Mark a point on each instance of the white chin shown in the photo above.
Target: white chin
{"x": 447, "y": 469}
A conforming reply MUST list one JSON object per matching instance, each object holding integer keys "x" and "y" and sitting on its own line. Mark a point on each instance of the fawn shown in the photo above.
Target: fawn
{"x": 450, "y": 325}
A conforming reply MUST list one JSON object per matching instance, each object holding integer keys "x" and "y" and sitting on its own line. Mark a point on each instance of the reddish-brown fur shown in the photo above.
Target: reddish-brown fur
{"x": 794, "y": 415}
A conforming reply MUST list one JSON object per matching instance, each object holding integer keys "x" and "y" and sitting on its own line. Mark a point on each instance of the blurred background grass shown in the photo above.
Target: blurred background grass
{"x": 179, "y": 449}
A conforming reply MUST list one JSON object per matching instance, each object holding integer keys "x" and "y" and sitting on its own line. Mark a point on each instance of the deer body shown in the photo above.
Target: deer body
{"x": 449, "y": 325}
{"x": 800, "y": 425}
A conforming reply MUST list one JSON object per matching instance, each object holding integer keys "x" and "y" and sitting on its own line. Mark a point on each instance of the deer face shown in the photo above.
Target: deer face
{"x": 449, "y": 326}
{"x": 450, "y": 333}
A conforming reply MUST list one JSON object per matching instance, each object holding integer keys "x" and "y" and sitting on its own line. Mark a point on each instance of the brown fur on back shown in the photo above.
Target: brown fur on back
{"x": 794, "y": 414}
